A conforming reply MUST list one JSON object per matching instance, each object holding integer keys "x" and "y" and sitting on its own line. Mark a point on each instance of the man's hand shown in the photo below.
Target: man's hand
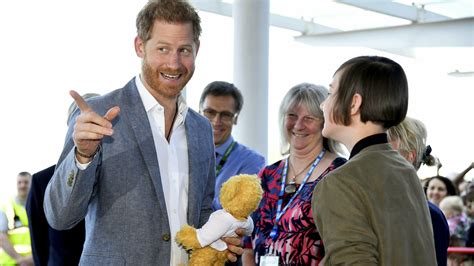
{"x": 90, "y": 128}
{"x": 234, "y": 245}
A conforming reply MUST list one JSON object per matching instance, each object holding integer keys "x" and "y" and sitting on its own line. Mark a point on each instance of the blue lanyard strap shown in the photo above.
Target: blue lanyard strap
{"x": 280, "y": 212}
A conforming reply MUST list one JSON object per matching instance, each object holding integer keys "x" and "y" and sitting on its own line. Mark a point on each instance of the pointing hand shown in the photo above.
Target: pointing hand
{"x": 90, "y": 128}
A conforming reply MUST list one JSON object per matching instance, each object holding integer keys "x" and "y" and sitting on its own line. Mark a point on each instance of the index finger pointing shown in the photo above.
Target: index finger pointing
{"x": 81, "y": 103}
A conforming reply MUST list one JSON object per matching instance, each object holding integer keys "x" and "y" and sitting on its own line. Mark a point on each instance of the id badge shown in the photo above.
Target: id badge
{"x": 269, "y": 260}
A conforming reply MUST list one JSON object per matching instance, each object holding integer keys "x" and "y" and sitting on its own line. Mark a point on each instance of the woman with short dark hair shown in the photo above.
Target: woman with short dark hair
{"x": 371, "y": 210}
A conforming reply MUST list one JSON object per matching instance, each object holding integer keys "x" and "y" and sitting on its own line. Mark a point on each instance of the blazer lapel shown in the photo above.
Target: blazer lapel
{"x": 194, "y": 185}
{"x": 137, "y": 117}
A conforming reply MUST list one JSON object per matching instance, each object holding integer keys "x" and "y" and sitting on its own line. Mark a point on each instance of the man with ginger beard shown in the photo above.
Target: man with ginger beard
{"x": 137, "y": 162}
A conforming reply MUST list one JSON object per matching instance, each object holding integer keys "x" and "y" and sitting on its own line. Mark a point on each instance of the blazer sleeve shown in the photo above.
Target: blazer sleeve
{"x": 69, "y": 192}
{"x": 339, "y": 210}
{"x": 253, "y": 164}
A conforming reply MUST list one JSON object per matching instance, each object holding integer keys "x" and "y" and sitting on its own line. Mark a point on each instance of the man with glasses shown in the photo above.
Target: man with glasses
{"x": 221, "y": 103}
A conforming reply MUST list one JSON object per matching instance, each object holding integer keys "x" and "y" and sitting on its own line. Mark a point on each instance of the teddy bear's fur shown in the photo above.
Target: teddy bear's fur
{"x": 240, "y": 196}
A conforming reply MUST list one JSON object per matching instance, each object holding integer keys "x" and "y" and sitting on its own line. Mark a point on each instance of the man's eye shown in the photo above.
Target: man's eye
{"x": 185, "y": 51}
{"x": 210, "y": 112}
{"x": 227, "y": 115}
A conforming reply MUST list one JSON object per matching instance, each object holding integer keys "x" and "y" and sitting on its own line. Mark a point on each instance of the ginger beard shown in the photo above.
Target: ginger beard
{"x": 165, "y": 81}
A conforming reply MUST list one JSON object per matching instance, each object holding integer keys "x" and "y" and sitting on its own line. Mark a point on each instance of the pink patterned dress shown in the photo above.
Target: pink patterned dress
{"x": 297, "y": 241}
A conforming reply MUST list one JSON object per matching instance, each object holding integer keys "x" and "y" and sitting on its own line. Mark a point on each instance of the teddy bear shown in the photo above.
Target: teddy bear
{"x": 240, "y": 196}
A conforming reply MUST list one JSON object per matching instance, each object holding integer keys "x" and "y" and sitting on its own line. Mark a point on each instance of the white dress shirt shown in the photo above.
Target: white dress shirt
{"x": 173, "y": 162}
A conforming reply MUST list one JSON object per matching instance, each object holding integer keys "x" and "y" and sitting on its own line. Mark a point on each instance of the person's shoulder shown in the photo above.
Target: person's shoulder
{"x": 114, "y": 97}
{"x": 43, "y": 175}
{"x": 271, "y": 169}
{"x": 6, "y": 203}
{"x": 372, "y": 159}
{"x": 197, "y": 118}
{"x": 102, "y": 103}
{"x": 383, "y": 161}
{"x": 342, "y": 173}
{"x": 195, "y": 115}
{"x": 338, "y": 161}
{"x": 249, "y": 153}
{"x": 335, "y": 162}
{"x": 435, "y": 211}
{"x": 376, "y": 152}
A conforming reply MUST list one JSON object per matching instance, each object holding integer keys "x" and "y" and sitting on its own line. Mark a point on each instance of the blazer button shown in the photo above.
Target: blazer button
{"x": 70, "y": 178}
{"x": 166, "y": 237}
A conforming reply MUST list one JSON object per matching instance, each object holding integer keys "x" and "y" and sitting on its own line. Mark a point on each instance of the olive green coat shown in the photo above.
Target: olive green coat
{"x": 372, "y": 211}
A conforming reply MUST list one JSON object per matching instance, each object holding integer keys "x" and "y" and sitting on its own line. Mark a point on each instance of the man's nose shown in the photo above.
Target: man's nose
{"x": 174, "y": 60}
{"x": 217, "y": 118}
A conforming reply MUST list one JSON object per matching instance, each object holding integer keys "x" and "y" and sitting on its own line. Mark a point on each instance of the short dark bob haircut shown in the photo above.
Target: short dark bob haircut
{"x": 383, "y": 86}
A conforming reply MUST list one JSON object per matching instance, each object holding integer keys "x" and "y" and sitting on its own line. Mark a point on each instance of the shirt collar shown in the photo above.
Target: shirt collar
{"x": 221, "y": 149}
{"x": 368, "y": 141}
{"x": 149, "y": 102}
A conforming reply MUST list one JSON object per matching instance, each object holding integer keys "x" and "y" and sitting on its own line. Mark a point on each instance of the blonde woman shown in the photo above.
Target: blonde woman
{"x": 285, "y": 232}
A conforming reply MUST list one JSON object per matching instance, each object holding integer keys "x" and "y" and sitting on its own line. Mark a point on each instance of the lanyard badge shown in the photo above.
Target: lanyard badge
{"x": 269, "y": 260}
{"x": 280, "y": 212}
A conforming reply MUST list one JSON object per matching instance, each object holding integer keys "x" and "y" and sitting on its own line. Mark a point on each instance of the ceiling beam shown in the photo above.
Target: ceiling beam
{"x": 299, "y": 25}
{"x": 400, "y": 39}
{"x": 394, "y": 9}
{"x": 213, "y": 6}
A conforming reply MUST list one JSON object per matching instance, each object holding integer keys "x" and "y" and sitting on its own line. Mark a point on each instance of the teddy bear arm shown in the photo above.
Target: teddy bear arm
{"x": 216, "y": 227}
{"x": 187, "y": 238}
{"x": 248, "y": 226}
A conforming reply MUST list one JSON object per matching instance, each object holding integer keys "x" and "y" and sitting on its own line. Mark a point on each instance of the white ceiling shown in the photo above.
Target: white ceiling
{"x": 402, "y": 27}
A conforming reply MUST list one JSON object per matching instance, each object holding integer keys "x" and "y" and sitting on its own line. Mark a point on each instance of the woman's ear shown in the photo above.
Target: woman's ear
{"x": 356, "y": 103}
{"x": 411, "y": 156}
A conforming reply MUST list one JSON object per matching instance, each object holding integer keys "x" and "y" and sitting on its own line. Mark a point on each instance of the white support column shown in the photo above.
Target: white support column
{"x": 251, "y": 34}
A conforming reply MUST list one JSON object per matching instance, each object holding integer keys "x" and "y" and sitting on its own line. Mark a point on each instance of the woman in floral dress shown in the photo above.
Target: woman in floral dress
{"x": 285, "y": 232}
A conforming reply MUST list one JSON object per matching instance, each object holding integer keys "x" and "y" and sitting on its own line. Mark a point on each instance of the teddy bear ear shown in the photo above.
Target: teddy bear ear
{"x": 228, "y": 190}
{"x": 234, "y": 185}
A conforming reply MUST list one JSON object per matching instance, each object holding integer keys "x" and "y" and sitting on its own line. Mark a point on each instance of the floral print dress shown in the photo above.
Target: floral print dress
{"x": 297, "y": 241}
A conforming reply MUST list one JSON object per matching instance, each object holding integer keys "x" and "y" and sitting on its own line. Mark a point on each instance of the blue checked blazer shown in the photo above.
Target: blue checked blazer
{"x": 120, "y": 192}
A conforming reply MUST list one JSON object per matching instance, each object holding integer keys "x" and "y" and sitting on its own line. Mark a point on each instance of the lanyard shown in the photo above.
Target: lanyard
{"x": 280, "y": 212}
{"x": 224, "y": 158}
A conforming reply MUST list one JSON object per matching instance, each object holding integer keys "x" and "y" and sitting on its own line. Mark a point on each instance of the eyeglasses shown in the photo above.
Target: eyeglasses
{"x": 225, "y": 116}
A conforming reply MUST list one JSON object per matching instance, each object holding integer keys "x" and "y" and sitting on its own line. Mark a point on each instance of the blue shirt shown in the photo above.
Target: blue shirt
{"x": 242, "y": 160}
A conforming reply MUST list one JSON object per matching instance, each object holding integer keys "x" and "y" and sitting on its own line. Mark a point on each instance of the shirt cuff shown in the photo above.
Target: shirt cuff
{"x": 81, "y": 166}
